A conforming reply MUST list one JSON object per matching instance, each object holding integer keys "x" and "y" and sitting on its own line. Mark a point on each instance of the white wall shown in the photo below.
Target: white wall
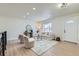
{"x": 58, "y": 27}
{"x": 58, "y": 24}
{"x": 13, "y": 26}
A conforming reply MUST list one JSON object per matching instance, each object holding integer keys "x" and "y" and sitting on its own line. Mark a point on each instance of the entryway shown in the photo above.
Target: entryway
{"x": 70, "y": 31}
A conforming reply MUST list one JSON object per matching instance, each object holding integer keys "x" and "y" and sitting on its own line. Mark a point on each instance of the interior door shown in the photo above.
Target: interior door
{"x": 70, "y": 29}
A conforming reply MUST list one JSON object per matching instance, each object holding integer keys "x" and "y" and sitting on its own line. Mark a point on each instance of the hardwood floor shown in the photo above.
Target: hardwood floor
{"x": 60, "y": 49}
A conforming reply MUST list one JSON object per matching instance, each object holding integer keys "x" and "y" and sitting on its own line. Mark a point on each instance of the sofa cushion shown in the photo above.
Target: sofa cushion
{"x": 30, "y": 39}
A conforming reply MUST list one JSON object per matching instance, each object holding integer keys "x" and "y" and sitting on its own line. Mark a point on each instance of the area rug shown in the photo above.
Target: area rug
{"x": 42, "y": 46}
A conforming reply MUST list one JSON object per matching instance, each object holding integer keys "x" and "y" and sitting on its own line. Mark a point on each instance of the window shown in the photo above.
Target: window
{"x": 47, "y": 27}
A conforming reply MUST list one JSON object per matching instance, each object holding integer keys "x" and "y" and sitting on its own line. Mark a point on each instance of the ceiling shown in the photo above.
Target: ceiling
{"x": 43, "y": 10}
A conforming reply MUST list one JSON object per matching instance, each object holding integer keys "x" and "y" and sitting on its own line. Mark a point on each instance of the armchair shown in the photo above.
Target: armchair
{"x": 28, "y": 42}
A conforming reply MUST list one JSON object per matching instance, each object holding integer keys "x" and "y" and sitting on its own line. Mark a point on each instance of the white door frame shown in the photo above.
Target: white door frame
{"x": 75, "y": 31}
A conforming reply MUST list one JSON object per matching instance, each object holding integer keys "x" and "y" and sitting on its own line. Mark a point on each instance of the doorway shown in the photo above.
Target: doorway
{"x": 70, "y": 31}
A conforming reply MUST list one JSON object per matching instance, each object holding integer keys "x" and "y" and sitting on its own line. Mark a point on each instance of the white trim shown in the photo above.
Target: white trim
{"x": 12, "y": 40}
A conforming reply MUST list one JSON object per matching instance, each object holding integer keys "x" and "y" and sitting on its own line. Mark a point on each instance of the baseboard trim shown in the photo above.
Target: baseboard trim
{"x": 70, "y": 42}
{"x": 12, "y": 41}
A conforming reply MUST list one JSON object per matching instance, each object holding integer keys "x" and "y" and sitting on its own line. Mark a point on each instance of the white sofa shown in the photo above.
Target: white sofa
{"x": 28, "y": 42}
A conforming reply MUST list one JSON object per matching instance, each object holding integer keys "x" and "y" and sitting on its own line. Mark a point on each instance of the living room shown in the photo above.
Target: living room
{"x": 54, "y": 28}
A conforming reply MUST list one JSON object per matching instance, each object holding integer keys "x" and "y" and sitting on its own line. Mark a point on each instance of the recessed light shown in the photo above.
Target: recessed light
{"x": 70, "y": 21}
{"x": 24, "y": 16}
{"x": 34, "y": 8}
{"x": 28, "y": 13}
